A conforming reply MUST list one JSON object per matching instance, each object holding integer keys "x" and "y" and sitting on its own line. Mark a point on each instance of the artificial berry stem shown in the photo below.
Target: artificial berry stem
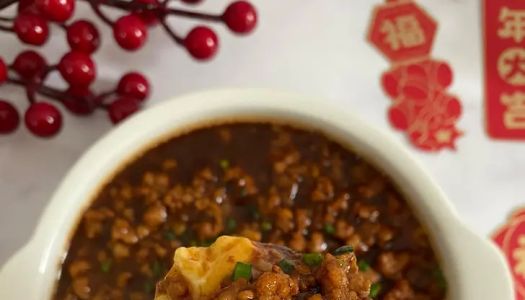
{"x": 193, "y": 14}
{"x": 49, "y": 92}
{"x": 31, "y": 91}
{"x": 95, "y": 5}
{"x": 52, "y": 93}
{"x": 6, "y": 29}
{"x": 179, "y": 40}
{"x": 6, "y": 19}
{"x": 29, "y": 69}
{"x": 100, "y": 98}
{"x": 6, "y": 3}
{"x": 126, "y": 5}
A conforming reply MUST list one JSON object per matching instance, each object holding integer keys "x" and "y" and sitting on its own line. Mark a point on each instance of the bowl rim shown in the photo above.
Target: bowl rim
{"x": 460, "y": 249}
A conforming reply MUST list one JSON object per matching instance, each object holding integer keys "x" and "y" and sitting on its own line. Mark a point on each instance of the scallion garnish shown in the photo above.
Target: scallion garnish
{"x": 287, "y": 266}
{"x": 105, "y": 266}
{"x": 363, "y": 266}
{"x": 231, "y": 224}
{"x": 148, "y": 287}
{"x": 343, "y": 250}
{"x": 375, "y": 289}
{"x": 169, "y": 235}
{"x": 440, "y": 278}
{"x": 266, "y": 226}
{"x": 313, "y": 259}
{"x": 224, "y": 163}
{"x": 157, "y": 269}
{"x": 329, "y": 229}
{"x": 242, "y": 270}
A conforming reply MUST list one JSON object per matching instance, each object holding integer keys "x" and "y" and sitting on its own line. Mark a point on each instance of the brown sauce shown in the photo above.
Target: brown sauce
{"x": 269, "y": 183}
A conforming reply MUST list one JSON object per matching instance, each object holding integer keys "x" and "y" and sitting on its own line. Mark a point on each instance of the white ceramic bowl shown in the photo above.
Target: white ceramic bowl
{"x": 472, "y": 265}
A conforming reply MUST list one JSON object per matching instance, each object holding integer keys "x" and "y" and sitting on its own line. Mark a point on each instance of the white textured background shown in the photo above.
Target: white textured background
{"x": 315, "y": 47}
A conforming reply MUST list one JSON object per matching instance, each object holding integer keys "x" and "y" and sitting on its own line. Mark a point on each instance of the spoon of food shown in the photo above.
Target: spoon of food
{"x": 236, "y": 268}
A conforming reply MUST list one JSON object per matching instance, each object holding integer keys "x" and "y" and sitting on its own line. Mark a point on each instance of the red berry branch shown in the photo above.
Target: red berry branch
{"x": 29, "y": 69}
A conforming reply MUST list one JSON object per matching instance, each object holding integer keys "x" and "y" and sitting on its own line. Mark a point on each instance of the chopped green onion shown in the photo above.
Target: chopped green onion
{"x": 440, "y": 279}
{"x": 329, "y": 229}
{"x": 169, "y": 235}
{"x": 186, "y": 237}
{"x": 266, "y": 226}
{"x": 313, "y": 259}
{"x": 254, "y": 211}
{"x": 224, "y": 163}
{"x": 157, "y": 269}
{"x": 231, "y": 224}
{"x": 242, "y": 270}
{"x": 343, "y": 250}
{"x": 363, "y": 266}
{"x": 287, "y": 266}
{"x": 105, "y": 266}
{"x": 193, "y": 243}
{"x": 207, "y": 243}
{"x": 375, "y": 289}
{"x": 148, "y": 287}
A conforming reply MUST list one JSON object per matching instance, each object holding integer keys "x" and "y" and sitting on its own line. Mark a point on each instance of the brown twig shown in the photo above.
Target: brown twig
{"x": 6, "y": 3}
{"x": 193, "y": 14}
{"x": 179, "y": 40}
{"x": 6, "y": 29}
{"x": 96, "y": 8}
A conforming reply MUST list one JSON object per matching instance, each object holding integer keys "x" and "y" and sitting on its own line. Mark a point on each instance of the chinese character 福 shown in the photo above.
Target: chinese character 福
{"x": 403, "y": 32}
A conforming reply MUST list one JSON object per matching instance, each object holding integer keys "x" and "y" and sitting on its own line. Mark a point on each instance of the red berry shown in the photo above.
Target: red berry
{"x": 79, "y": 100}
{"x": 122, "y": 108}
{"x": 83, "y": 36}
{"x": 201, "y": 42}
{"x": 43, "y": 119}
{"x": 31, "y": 29}
{"x": 240, "y": 17}
{"x": 191, "y": 1}
{"x": 130, "y": 32}
{"x": 133, "y": 85}
{"x": 28, "y": 6}
{"x": 3, "y": 71}
{"x": 56, "y": 10}
{"x": 77, "y": 68}
{"x": 149, "y": 17}
{"x": 29, "y": 64}
{"x": 9, "y": 118}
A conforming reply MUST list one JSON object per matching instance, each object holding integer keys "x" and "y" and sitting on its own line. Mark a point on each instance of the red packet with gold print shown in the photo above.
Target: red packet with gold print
{"x": 511, "y": 239}
{"x": 504, "y": 38}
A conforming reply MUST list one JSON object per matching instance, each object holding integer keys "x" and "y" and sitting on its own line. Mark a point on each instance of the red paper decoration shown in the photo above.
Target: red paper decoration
{"x": 402, "y": 31}
{"x": 417, "y": 84}
{"x": 511, "y": 239}
{"x": 504, "y": 22}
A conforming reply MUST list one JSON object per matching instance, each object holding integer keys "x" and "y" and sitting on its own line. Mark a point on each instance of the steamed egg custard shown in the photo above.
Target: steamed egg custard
{"x": 238, "y": 268}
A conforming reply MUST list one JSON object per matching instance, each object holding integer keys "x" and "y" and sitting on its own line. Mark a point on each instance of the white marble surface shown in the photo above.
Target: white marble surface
{"x": 314, "y": 47}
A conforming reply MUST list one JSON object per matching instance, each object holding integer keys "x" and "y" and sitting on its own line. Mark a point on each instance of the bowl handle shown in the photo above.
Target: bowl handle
{"x": 19, "y": 272}
{"x": 487, "y": 275}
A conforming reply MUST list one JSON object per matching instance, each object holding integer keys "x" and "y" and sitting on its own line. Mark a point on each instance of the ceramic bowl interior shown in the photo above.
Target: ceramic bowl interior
{"x": 472, "y": 265}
